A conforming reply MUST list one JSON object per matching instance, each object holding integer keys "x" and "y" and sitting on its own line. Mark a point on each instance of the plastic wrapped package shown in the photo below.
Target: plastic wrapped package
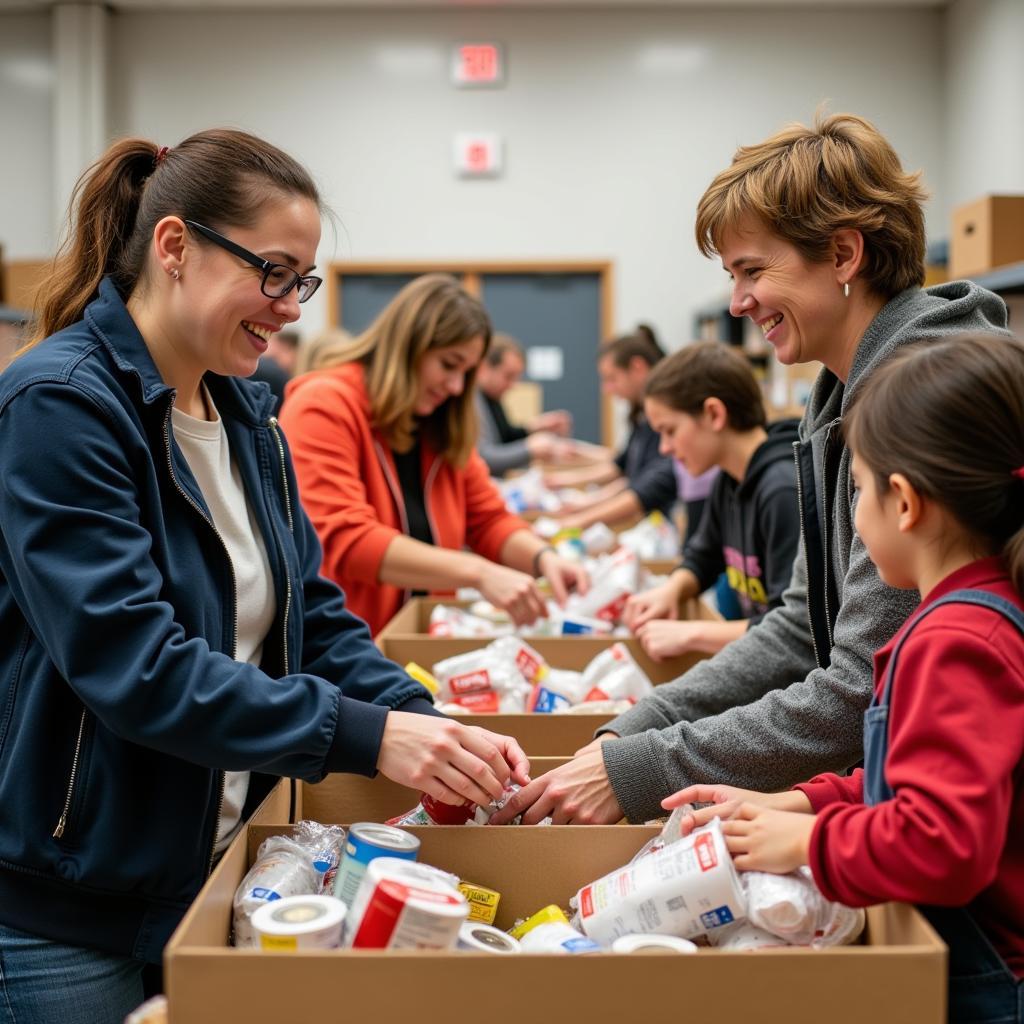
{"x": 613, "y": 580}
{"x": 596, "y": 707}
{"x": 615, "y": 675}
{"x": 744, "y": 936}
{"x": 558, "y": 690}
{"x": 793, "y": 908}
{"x": 282, "y": 868}
{"x": 449, "y": 621}
{"x": 599, "y": 539}
{"x": 653, "y": 537}
{"x": 486, "y": 680}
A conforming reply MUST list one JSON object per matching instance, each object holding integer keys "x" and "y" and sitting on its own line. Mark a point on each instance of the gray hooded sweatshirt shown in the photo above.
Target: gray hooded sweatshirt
{"x": 786, "y": 700}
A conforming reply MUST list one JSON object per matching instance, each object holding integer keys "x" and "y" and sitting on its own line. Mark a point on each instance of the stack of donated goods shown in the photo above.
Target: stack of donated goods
{"x": 678, "y": 893}
{"x": 509, "y": 677}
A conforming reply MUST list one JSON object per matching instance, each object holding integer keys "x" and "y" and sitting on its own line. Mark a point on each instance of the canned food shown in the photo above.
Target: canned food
{"x": 367, "y": 841}
{"x": 482, "y": 938}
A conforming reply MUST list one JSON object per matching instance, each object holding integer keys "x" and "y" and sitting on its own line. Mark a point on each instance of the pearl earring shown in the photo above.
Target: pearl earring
{"x": 846, "y": 289}
{"x": 174, "y": 273}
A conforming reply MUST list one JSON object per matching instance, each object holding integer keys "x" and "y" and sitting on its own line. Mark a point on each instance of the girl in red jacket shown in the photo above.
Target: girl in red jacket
{"x": 383, "y": 444}
{"x": 936, "y": 815}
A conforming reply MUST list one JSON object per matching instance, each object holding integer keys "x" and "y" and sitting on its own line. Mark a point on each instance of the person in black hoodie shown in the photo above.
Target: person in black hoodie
{"x": 707, "y": 406}
{"x": 640, "y": 479}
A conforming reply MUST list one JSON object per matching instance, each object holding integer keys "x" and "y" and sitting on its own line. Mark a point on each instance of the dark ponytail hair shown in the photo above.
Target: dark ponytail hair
{"x": 220, "y": 177}
{"x": 949, "y": 416}
{"x": 642, "y": 344}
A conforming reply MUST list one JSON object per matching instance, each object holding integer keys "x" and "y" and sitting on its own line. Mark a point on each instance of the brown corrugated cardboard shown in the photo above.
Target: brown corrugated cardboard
{"x": 987, "y": 233}
{"x": 897, "y": 977}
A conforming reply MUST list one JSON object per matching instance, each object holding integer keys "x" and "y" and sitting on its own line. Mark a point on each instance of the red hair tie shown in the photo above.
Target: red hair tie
{"x": 160, "y": 154}
{"x": 1018, "y": 473}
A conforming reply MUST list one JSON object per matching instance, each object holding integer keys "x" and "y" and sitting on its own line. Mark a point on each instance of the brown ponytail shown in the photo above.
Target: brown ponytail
{"x": 220, "y": 177}
{"x": 949, "y": 416}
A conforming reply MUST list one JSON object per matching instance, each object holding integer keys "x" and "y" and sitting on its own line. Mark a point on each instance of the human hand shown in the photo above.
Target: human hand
{"x": 564, "y": 576}
{"x": 575, "y": 793}
{"x": 450, "y": 761}
{"x": 763, "y": 839}
{"x": 662, "y": 639}
{"x": 542, "y": 445}
{"x": 514, "y": 592}
{"x": 510, "y": 751}
{"x": 725, "y": 801}
{"x": 657, "y": 603}
{"x": 558, "y": 421}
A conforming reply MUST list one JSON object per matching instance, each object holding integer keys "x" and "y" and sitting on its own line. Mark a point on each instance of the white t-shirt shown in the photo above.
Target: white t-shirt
{"x": 205, "y": 447}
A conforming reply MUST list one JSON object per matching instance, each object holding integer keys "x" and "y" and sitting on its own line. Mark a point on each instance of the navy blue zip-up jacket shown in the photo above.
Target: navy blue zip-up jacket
{"x": 121, "y": 704}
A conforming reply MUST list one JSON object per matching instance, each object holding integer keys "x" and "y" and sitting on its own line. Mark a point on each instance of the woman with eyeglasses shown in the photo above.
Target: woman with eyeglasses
{"x": 170, "y": 649}
{"x": 384, "y": 450}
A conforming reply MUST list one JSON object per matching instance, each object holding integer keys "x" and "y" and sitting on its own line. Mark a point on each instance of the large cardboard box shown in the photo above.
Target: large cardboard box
{"x": 405, "y": 639}
{"x": 896, "y": 977}
{"x": 987, "y": 233}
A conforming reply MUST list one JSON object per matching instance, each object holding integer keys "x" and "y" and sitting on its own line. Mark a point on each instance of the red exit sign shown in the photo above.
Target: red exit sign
{"x": 478, "y": 64}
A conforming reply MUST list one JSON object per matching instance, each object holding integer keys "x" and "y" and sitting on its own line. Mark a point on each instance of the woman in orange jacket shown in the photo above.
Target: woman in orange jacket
{"x": 383, "y": 444}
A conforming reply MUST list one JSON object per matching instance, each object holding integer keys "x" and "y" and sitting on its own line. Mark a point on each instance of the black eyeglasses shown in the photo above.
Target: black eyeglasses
{"x": 278, "y": 280}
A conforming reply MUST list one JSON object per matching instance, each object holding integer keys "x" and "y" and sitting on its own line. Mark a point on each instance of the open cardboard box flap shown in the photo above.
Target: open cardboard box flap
{"x": 896, "y": 977}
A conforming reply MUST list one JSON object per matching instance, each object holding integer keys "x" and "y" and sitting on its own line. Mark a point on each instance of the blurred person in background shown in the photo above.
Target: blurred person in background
{"x": 639, "y": 480}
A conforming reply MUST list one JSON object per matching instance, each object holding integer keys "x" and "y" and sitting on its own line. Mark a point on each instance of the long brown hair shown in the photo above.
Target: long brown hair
{"x": 709, "y": 369}
{"x": 949, "y": 416}
{"x": 433, "y": 311}
{"x": 220, "y": 178}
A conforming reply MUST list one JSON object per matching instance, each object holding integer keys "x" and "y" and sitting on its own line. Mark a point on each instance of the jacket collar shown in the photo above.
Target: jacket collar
{"x": 109, "y": 318}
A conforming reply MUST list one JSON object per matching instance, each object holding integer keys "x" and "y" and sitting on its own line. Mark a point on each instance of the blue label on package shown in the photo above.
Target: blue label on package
{"x": 546, "y": 701}
{"x": 568, "y": 626}
{"x": 717, "y": 917}
{"x": 265, "y": 894}
{"x": 581, "y": 945}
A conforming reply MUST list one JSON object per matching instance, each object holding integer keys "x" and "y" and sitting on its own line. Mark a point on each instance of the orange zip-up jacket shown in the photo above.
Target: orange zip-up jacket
{"x": 349, "y": 487}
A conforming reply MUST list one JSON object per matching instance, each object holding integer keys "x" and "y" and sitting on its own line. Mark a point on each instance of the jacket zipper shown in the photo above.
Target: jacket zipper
{"x": 272, "y": 423}
{"x": 234, "y": 590}
{"x": 825, "y": 535}
{"x": 803, "y": 538}
{"x": 58, "y": 832}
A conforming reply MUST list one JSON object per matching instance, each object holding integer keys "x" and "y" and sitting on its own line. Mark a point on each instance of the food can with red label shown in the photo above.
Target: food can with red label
{"x": 366, "y": 841}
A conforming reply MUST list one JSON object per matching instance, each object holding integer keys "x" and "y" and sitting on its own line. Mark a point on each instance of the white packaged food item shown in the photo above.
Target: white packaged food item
{"x": 449, "y": 621}
{"x": 404, "y": 905}
{"x": 549, "y": 931}
{"x": 653, "y": 537}
{"x": 484, "y": 938}
{"x": 599, "y": 539}
{"x": 613, "y": 580}
{"x": 487, "y": 680}
{"x": 653, "y": 944}
{"x": 793, "y": 908}
{"x": 282, "y": 868}
{"x": 531, "y": 665}
{"x": 565, "y": 624}
{"x": 299, "y": 922}
{"x": 558, "y": 690}
{"x": 744, "y": 936}
{"x": 688, "y": 888}
{"x": 615, "y": 675}
{"x": 490, "y": 612}
{"x": 597, "y": 707}
{"x": 546, "y": 527}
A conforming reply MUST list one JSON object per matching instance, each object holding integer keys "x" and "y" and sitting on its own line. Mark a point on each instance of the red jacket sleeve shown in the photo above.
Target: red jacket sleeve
{"x": 956, "y": 729}
{"x": 827, "y": 789}
{"x": 330, "y": 440}
{"x": 488, "y": 523}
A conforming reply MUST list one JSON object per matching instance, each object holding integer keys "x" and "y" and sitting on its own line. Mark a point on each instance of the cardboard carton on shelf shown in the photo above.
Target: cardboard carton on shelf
{"x": 897, "y": 975}
{"x": 987, "y": 233}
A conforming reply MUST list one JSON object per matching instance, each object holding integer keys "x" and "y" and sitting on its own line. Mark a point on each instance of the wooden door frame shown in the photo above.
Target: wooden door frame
{"x": 469, "y": 272}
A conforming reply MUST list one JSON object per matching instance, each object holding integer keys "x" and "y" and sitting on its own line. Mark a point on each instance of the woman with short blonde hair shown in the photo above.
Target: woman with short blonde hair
{"x": 383, "y": 443}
